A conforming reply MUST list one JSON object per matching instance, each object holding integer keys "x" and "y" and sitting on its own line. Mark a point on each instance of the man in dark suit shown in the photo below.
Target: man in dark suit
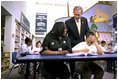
{"x": 77, "y": 27}
{"x": 73, "y": 32}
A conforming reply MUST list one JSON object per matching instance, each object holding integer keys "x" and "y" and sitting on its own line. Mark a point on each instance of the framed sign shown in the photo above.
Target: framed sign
{"x": 24, "y": 22}
{"x": 41, "y": 23}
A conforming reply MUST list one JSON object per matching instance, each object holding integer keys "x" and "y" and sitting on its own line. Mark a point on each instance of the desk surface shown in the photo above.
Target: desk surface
{"x": 34, "y": 58}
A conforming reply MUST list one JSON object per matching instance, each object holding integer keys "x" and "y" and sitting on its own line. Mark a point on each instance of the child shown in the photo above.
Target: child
{"x": 37, "y": 49}
{"x": 24, "y": 49}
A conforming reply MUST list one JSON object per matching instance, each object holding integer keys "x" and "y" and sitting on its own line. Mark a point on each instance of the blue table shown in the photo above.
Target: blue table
{"x": 35, "y": 58}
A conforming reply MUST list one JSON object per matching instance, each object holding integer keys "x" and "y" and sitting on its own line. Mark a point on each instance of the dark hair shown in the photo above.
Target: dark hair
{"x": 109, "y": 44}
{"x": 37, "y": 43}
{"x": 89, "y": 33}
{"x": 58, "y": 29}
{"x": 103, "y": 42}
{"x": 27, "y": 40}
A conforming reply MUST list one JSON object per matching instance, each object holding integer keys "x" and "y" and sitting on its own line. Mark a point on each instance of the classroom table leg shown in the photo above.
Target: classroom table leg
{"x": 27, "y": 70}
{"x": 34, "y": 70}
{"x": 114, "y": 69}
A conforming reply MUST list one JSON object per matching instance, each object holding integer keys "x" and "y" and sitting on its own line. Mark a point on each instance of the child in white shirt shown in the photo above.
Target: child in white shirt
{"x": 88, "y": 68}
{"x": 25, "y": 48}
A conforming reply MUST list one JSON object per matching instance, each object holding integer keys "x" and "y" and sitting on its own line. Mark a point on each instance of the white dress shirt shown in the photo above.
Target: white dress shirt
{"x": 24, "y": 48}
{"x": 78, "y": 23}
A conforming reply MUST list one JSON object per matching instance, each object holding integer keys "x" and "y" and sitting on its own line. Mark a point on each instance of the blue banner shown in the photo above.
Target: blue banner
{"x": 41, "y": 23}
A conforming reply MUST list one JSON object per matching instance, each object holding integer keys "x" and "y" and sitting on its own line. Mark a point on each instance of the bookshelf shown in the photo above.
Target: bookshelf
{"x": 17, "y": 37}
{"x": 20, "y": 36}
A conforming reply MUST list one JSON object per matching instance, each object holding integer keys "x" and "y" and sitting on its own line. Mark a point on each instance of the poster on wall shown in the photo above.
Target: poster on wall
{"x": 41, "y": 23}
{"x": 106, "y": 36}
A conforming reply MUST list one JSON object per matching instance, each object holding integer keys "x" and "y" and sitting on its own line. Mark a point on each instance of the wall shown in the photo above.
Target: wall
{"x": 103, "y": 26}
{"x": 53, "y": 12}
{"x": 27, "y": 7}
{"x": 15, "y": 8}
{"x": 58, "y": 9}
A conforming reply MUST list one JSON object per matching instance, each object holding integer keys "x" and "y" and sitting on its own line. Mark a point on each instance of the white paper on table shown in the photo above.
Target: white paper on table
{"x": 82, "y": 54}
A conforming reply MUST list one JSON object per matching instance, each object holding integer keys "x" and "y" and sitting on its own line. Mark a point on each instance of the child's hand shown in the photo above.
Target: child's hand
{"x": 93, "y": 39}
{"x": 85, "y": 50}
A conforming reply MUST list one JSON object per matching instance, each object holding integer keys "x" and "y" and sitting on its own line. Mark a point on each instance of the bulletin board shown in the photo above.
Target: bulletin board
{"x": 106, "y": 36}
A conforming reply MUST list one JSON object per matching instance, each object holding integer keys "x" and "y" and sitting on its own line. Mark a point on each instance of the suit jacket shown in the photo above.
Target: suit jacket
{"x": 72, "y": 30}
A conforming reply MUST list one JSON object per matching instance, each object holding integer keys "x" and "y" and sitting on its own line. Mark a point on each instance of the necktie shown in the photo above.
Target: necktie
{"x": 78, "y": 26}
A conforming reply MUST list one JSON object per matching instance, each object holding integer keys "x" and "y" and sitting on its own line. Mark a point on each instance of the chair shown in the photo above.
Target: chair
{"x": 39, "y": 70}
{"x": 77, "y": 75}
{"x": 13, "y": 61}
